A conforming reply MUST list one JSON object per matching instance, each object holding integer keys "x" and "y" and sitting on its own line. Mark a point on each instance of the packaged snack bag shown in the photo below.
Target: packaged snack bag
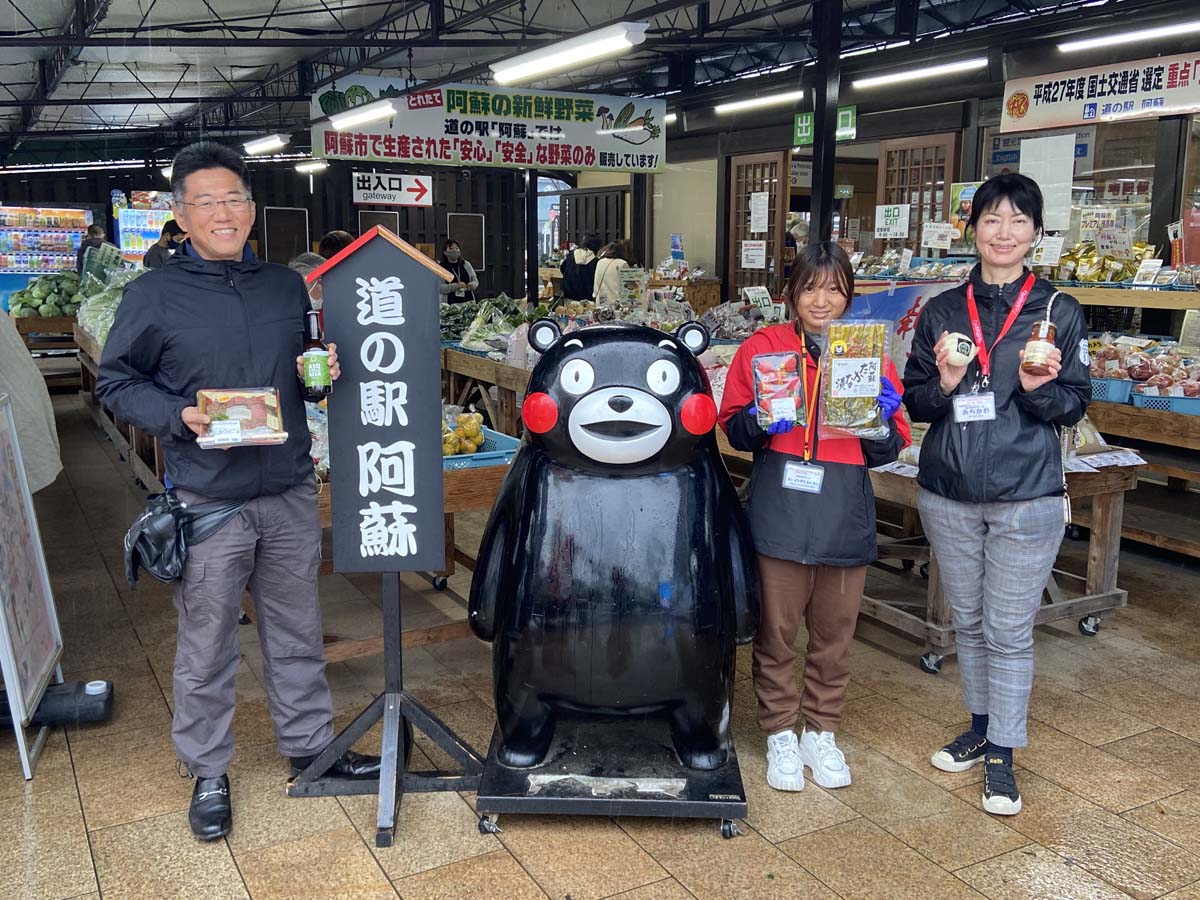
{"x": 851, "y": 371}
{"x": 779, "y": 388}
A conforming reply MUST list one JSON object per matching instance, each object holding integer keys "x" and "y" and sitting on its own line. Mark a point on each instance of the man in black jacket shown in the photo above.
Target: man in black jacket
{"x": 216, "y": 317}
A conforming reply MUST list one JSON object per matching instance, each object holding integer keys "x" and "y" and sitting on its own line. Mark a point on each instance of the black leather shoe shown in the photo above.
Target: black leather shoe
{"x": 211, "y": 813}
{"x": 349, "y": 765}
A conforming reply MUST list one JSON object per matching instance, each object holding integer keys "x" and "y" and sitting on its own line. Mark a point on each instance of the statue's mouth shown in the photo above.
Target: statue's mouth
{"x": 620, "y": 429}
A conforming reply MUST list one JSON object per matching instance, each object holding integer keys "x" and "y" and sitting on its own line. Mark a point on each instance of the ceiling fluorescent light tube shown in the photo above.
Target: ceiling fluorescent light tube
{"x": 312, "y": 166}
{"x": 670, "y": 118}
{"x": 1130, "y": 37}
{"x": 966, "y": 65}
{"x": 266, "y": 144}
{"x": 166, "y": 171}
{"x": 372, "y": 112}
{"x": 572, "y": 53}
{"x": 756, "y": 102}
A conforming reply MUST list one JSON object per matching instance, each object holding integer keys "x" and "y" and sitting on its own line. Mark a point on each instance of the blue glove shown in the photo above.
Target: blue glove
{"x": 775, "y": 428}
{"x": 889, "y": 398}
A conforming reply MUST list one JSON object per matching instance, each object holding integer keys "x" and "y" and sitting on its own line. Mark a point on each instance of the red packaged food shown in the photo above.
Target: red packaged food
{"x": 240, "y": 417}
{"x": 779, "y": 388}
{"x": 1139, "y": 366}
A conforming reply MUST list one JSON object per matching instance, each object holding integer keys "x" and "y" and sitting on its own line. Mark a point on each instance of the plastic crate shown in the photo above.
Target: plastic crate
{"x": 497, "y": 450}
{"x": 1111, "y": 390}
{"x": 1187, "y": 406}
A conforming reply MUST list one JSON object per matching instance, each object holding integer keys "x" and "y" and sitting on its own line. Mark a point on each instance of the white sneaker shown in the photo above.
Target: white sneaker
{"x": 785, "y": 771}
{"x": 819, "y": 751}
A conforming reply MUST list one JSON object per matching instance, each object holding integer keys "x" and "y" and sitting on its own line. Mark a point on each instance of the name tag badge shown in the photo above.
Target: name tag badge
{"x": 975, "y": 407}
{"x": 802, "y": 476}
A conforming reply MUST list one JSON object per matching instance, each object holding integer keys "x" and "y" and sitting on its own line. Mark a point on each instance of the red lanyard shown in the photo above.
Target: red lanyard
{"x": 985, "y": 362}
{"x": 810, "y": 427}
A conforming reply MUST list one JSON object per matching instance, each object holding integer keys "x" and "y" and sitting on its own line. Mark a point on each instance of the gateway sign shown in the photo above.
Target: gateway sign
{"x": 381, "y": 189}
{"x": 480, "y": 125}
{"x": 1163, "y": 86}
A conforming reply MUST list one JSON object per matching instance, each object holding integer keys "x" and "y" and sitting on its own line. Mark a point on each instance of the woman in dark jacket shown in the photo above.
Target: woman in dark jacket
{"x": 992, "y": 487}
{"x": 465, "y": 283}
{"x": 812, "y": 513}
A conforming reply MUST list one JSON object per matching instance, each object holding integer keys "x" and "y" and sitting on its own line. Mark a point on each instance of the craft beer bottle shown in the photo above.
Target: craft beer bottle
{"x": 316, "y": 359}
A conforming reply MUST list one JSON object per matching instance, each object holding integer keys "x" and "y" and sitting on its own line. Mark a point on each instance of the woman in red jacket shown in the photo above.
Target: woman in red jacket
{"x": 812, "y": 513}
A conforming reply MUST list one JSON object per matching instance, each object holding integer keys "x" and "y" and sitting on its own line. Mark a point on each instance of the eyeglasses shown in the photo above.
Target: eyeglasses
{"x": 233, "y": 204}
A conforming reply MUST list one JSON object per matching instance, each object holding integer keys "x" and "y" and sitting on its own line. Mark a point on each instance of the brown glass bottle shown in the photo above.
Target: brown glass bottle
{"x": 1037, "y": 350}
{"x": 317, "y": 381}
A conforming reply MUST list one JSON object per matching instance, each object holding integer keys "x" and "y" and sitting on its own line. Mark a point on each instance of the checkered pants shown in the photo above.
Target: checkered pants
{"x": 995, "y": 560}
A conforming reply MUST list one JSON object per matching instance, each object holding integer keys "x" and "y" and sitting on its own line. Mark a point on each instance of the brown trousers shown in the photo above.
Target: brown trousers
{"x": 826, "y": 599}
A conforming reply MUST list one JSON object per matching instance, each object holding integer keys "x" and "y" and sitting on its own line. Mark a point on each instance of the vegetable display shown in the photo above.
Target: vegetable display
{"x": 47, "y": 296}
{"x": 97, "y": 312}
{"x": 851, "y": 370}
{"x": 462, "y": 433}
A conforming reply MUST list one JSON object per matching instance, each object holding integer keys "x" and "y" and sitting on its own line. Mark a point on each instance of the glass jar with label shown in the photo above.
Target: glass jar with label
{"x": 1037, "y": 350}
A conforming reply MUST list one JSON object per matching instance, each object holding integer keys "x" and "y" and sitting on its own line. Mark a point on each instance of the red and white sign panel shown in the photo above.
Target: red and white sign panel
{"x": 383, "y": 189}
{"x": 1145, "y": 88}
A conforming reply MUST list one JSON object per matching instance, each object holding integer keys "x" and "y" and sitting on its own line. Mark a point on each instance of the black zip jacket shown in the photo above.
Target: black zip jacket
{"x": 1017, "y": 456}
{"x": 198, "y": 323}
{"x": 834, "y": 528}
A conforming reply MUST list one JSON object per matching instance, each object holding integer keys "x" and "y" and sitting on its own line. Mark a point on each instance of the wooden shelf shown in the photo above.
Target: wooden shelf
{"x": 1170, "y": 429}
{"x": 1158, "y": 516}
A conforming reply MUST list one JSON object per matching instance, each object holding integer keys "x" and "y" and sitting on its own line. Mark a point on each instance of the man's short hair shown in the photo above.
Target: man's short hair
{"x": 172, "y": 228}
{"x": 95, "y": 231}
{"x": 306, "y": 262}
{"x": 206, "y": 155}
{"x": 334, "y": 242}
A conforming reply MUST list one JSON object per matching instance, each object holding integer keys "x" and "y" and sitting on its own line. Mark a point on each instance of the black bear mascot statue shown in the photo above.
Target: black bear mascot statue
{"x": 617, "y": 572}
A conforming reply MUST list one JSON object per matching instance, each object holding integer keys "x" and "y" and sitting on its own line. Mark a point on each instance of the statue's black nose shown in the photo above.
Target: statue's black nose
{"x": 620, "y": 404}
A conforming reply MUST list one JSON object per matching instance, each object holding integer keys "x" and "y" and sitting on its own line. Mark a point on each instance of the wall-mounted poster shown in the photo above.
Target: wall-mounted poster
{"x": 30, "y": 641}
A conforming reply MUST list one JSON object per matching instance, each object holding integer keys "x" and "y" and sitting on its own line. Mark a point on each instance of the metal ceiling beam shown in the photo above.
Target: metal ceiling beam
{"x": 125, "y": 101}
{"x": 85, "y": 16}
{"x": 673, "y": 41}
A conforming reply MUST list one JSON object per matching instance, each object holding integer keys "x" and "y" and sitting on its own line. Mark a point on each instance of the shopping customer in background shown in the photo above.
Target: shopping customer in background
{"x": 614, "y": 257}
{"x": 334, "y": 243}
{"x": 812, "y": 513}
{"x": 579, "y": 269}
{"x": 168, "y": 241}
{"x": 991, "y": 483}
{"x": 216, "y": 317}
{"x": 94, "y": 238}
{"x": 465, "y": 283}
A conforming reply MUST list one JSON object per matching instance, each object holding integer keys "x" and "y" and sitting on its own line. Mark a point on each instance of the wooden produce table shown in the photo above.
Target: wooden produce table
{"x": 1165, "y": 515}
{"x": 55, "y": 333}
{"x": 701, "y": 294}
{"x": 469, "y": 378}
{"x": 1094, "y": 593}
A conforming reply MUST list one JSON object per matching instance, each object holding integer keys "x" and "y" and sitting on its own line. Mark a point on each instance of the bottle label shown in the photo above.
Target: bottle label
{"x": 316, "y": 369}
{"x": 1037, "y": 352}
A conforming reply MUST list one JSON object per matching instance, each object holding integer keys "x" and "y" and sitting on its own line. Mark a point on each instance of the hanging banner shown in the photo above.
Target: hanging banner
{"x": 1147, "y": 88}
{"x": 480, "y": 125}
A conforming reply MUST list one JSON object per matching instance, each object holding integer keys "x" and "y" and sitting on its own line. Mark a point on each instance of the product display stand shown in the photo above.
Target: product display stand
{"x": 612, "y": 768}
{"x": 400, "y": 712}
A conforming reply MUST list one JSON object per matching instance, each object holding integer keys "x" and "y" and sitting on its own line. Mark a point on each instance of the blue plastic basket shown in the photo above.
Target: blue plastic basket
{"x": 1111, "y": 390}
{"x": 497, "y": 450}
{"x": 1187, "y": 406}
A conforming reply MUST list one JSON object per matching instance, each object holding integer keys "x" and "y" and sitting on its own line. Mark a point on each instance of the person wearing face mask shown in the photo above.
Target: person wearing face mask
{"x": 812, "y": 515}
{"x": 160, "y": 251}
{"x": 992, "y": 485}
{"x": 465, "y": 282}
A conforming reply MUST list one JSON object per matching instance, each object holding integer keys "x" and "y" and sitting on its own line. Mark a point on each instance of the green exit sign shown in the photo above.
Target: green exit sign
{"x": 805, "y": 126}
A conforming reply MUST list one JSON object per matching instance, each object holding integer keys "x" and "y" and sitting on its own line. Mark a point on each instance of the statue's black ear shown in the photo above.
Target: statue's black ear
{"x": 544, "y": 334}
{"x": 694, "y": 336}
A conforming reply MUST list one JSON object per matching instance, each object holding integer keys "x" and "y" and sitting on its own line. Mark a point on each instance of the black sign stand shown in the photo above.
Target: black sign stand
{"x": 381, "y": 254}
{"x": 398, "y": 709}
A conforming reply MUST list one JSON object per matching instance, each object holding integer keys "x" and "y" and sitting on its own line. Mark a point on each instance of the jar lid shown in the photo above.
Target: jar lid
{"x": 96, "y": 688}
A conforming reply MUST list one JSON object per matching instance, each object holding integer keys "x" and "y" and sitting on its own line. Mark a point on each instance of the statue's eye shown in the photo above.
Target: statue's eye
{"x": 663, "y": 377}
{"x": 577, "y": 377}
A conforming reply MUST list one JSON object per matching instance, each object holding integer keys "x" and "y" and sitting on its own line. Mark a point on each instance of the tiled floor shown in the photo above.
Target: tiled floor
{"x": 1111, "y": 780}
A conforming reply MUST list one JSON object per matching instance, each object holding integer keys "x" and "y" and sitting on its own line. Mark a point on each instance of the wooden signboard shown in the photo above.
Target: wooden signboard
{"x": 30, "y": 640}
{"x": 385, "y": 413}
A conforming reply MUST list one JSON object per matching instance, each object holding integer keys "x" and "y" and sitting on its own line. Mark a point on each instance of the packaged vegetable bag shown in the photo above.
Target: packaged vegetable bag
{"x": 851, "y": 371}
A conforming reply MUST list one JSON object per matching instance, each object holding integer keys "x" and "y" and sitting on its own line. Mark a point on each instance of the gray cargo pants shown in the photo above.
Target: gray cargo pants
{"x": 274, "y": 546}
{"x": 995, "y": 560}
